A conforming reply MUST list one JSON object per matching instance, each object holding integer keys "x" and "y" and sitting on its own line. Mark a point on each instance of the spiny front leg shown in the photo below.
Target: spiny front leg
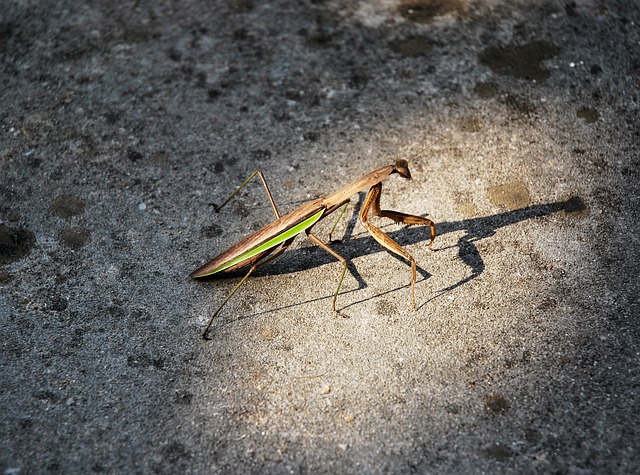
{"x": 372, "y": 203}
{"x": 408, "y": 219}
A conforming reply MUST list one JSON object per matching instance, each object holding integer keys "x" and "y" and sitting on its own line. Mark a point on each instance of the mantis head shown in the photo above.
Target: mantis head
{"x": 402, "y": 168}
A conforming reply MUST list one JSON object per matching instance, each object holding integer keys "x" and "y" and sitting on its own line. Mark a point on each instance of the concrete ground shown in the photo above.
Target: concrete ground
{"x": 121, "y": 124}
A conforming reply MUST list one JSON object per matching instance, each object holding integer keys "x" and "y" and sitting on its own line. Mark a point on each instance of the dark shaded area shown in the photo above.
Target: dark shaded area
{"x": 66, "y": 206}
{"x": 15, "y": 244}
{"x": 589, "y": 114}
{"x": 496, "y": 404}
{"x": 74, "y": 238}
{"x": 412, "y": 46}
{"x": 520, "y": 61}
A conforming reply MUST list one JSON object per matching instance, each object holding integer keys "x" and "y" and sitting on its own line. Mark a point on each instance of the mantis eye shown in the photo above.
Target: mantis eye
{"x": 402, "y": 167}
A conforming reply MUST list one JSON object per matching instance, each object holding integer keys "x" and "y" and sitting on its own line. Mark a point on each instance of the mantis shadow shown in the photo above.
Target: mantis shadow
{"x": 350, "y": 248}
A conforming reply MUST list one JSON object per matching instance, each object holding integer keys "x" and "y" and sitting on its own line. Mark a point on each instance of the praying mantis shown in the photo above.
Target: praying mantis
{"x": 273, "y": 239}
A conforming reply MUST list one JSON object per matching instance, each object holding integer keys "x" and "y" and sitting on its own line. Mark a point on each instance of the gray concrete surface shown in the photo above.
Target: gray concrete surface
{"x": 121, "y": 124}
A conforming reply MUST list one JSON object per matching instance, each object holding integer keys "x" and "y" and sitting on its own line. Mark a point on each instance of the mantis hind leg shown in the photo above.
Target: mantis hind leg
{"x": 266, "y": 188}
{"x": 264, "y": 260}
{"x": 372, "y": 203}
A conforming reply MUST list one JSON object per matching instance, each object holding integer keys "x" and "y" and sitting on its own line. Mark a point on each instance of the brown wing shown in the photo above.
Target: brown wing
{"x": 256, "y": 239}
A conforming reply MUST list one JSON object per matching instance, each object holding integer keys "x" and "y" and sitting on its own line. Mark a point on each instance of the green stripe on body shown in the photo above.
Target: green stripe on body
{"x": 279, "y": 239}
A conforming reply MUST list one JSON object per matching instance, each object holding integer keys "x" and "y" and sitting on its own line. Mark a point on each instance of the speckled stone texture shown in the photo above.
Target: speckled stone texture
{"x": 121, "y": 123}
